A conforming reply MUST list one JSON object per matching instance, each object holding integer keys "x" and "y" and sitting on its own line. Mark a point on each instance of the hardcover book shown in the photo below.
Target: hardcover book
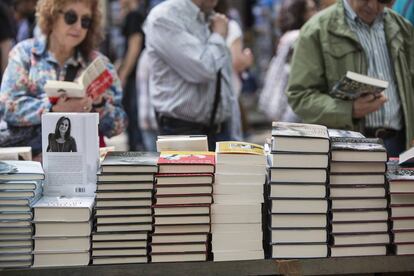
{"x": 401, "y": 179}
{"x": 61, "y": 259}
{"x": 21, "y": 170}
{"x": 20, "y": 185}
{"x": 238, "y": 147}
{"x": 104, "y": 178}
{"x": 182, "y": 143}
{"x": 333, "y": 132}
{"x": 354, "y": 85}
{"x": 186, "y": 162}
{"x": 348, "y": 251}
{"x": 70, "y": 144}
{"x": 63, "y": 209}
{"x": 93, "y": 81}
{"x": 298, "y": 160}
{"x": 304, "y": 250}
{"x": 358, "y": 149}
{"x": 296, "y": 137}
{"x": 184, "y": 178}
{"x": 130, "y": 161}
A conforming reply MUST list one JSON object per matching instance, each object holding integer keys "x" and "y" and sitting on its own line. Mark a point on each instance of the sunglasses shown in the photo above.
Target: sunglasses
{"x": 384, "y": 1}
{"x": 71, "y": 17}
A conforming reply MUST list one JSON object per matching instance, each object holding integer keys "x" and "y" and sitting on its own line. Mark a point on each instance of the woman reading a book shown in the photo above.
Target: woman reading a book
{"x": 61, "y": 141}
{"x": 71, "y": 31}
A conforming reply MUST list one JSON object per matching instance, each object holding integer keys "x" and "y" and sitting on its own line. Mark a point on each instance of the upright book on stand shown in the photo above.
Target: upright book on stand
{"x": 70, "y": 145}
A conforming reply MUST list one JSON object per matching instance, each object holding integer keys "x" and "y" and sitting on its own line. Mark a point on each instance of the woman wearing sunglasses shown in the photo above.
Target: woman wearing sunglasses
{"x": 71, "y": 31}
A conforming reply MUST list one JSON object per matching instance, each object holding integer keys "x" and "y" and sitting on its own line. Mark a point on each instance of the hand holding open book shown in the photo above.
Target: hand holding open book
{"x": 93, "y": 81}
{"x": 354, "y": 85}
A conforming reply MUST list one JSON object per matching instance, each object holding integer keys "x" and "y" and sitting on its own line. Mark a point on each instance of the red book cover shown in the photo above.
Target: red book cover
{"x": 187, "y": 158}
{"x": 186, "y": 162}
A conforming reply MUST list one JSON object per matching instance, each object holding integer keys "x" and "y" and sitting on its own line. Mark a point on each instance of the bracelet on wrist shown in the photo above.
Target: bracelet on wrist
{"x": 99, "y": 105}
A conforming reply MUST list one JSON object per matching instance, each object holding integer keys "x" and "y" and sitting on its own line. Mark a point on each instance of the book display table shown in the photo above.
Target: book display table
{"x": 326, "y": 266}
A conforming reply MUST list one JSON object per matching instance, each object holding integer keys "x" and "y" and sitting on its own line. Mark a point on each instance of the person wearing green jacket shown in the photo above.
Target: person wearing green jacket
{"x": 368, "y": 38}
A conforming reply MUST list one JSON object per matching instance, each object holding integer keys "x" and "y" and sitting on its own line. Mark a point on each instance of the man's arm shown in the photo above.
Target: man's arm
{"x": 307, "y": 87}
{"x": 131, "y": 57}
{"x": 194, "y": 60}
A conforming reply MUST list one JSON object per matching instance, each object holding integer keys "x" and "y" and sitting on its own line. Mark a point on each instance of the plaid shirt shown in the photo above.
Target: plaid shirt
{"x": 23, "y": 100}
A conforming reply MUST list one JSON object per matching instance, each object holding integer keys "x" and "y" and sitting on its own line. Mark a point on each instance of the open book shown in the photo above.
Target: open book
{"x": 354, "y": 85}
{"x": 93, "y": 81}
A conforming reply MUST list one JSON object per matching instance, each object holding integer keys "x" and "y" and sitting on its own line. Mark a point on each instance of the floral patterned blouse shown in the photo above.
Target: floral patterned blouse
{"x": 23, "y": 100}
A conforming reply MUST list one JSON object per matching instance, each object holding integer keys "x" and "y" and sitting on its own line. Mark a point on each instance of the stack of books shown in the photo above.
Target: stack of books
{"x": 401, "y": 189}
{"x": 123, "y": 207}
{"x": 20, "y": 187}
{"x": 297, "y": 192}
{"x": 359, "y": 205}
{"x": 62, "y": 231}
{"x": 238, "y": 197}
{"x": 182, "y": 210}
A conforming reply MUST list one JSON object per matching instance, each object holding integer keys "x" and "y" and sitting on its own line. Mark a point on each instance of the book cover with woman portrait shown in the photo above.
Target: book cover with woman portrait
{"x": 70, "y": 145}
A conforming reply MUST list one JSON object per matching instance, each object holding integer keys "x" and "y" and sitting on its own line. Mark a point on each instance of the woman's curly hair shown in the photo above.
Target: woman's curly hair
{"x": 47, "y": 12}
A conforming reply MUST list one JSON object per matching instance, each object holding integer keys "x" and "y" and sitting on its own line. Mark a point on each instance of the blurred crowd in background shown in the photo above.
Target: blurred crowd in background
{"x": 268, "y": 27}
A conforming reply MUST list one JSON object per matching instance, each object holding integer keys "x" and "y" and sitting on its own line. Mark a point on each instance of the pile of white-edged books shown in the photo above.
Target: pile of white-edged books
{"x": 20, "y": 187}
{"x": 401, "y": 188}
{"x": 357, "y": 188}
{"x": 297, "y": 194}
{"x": 182, "y": 210}
{"x": 62, "y": 231}
{"x": 236, "y": 214}
{"x": 123, "y": 207}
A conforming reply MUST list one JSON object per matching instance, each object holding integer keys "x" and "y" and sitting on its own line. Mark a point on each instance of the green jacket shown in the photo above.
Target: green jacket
{"x": 327, "y": 49}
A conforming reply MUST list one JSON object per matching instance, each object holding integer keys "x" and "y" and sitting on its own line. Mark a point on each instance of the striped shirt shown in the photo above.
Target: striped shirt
{"x": 372, "y": 39}
{"x": 184, "y": 58}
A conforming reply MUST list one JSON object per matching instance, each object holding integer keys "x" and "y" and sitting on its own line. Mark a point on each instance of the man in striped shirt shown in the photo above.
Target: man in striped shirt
{"x": 190, "y": 77}
{"x": 366, "y": 37}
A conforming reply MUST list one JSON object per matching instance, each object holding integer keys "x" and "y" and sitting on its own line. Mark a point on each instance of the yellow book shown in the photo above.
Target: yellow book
{"x": 239, "y": 147}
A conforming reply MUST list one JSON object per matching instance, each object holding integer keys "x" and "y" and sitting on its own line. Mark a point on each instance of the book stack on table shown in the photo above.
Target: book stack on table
{"x": 62, "y": 231}
{"x": 238, "y": 197}
{"x": 20, "y": 187}
{"x": 182, "y": 210}
{"x": 123, "y": 210}
{"x": 297, "y": 192}
{"x": 357, "y": 184}
{"x": 401, "y": 188}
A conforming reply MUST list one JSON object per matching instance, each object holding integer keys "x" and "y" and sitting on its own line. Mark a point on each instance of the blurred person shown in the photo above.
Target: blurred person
{"x": 323, "y": 4}
{"x": 7, "y": 35}
{"x": 340, "y": 39}
{"x": 405, "y": 8}
{"x": 273, "y": 100}
{"x": 134, "y": 41}
{"x": 146, "y": 113}
{"x": 71, "y": 31}
{"x": 24, "y": 14}
{"x": 190, "y": 76}
{"x": 242, "y": 59}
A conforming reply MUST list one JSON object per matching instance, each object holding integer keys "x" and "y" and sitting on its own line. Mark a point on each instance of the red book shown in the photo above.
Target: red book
{"x": 186, "y": 162}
